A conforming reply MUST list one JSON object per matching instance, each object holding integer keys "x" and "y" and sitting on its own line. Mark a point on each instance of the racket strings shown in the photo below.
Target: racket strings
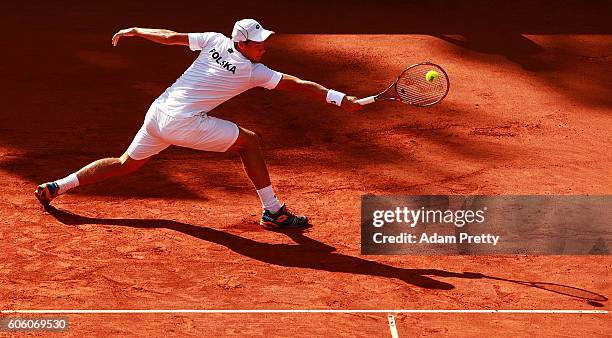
{"x": 413, "y": 87}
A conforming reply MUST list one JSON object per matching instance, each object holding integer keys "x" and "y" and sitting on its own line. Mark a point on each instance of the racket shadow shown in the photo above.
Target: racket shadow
{"x": 591, "y": 297}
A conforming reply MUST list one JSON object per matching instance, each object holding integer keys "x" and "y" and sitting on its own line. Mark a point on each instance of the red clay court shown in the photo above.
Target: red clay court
{"x": 529, "y": 112}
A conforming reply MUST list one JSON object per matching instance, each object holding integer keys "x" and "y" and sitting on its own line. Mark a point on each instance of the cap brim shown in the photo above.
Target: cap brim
{"x": 262, "y": 35}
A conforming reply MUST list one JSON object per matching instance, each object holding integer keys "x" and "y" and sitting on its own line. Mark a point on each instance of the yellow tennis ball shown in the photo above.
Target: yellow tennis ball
{"x": 431, "y": 76}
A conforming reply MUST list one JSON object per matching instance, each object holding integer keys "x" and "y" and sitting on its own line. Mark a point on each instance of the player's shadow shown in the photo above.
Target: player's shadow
{"x": 309, "y": 253}
{"x": 312, "y": 254}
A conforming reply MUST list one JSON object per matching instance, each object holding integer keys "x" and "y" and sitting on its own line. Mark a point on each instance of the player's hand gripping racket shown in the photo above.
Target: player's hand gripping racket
{"x": 423, "y": 84}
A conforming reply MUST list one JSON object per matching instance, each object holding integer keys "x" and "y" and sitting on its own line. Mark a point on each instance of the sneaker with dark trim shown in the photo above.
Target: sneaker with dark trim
{"x": 282, "y": 219}
{"x": 46, "y": 192}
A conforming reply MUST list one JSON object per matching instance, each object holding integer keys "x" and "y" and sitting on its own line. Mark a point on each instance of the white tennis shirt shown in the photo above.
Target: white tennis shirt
{"x": 219, "y": 73}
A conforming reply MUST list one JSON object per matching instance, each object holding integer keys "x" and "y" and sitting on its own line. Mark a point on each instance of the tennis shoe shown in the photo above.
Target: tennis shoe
{"x": 282, "y": 219}
{"x": 46, "y": 192}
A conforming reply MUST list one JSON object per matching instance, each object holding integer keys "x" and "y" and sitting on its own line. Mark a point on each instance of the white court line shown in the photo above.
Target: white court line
{"x": 221, "y": 311}
{"x": 392, "y": 326}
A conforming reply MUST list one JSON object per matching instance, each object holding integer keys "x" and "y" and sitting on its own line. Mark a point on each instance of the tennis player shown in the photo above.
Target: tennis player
{"x": 224, "y": 68}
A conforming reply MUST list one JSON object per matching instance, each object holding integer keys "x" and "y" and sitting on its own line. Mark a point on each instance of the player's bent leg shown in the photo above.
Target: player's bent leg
{"x": 275, "y": 215}
{"x": 247, "y": 145}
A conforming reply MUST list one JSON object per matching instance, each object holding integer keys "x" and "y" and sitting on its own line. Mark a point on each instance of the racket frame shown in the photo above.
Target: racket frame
{"x": 395, "y": 96}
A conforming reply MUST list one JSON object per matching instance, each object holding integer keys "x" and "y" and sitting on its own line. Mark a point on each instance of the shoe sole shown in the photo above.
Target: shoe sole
{"x": 272, "y": 225}
{"x": 41, "y": 195}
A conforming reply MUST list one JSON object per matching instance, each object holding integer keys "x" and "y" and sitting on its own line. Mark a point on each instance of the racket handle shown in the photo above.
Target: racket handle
{"x": 366, "y": 100}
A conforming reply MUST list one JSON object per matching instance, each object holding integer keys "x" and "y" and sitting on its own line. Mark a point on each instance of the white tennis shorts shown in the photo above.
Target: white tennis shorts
{"x": 201, "y": 132}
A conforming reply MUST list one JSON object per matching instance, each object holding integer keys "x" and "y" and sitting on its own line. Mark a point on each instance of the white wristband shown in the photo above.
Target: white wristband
{"x": 335, "y": 97}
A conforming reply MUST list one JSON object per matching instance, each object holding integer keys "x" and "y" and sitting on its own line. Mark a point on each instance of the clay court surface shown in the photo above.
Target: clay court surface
{"x": 529, "y": 112}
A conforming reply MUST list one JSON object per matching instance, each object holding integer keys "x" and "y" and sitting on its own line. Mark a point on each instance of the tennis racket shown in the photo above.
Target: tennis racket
{"x": 423, "y": 84}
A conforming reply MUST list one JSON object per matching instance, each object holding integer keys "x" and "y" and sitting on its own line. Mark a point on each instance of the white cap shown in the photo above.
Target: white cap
{"x": 249, "y": 29}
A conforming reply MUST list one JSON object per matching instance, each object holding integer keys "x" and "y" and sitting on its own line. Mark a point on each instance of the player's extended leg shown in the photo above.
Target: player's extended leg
{"x": 145, "y": 144}
{"x": 94, "y": 172}
{"x": 275, "y": 215}
{"x": 109, "y": 167}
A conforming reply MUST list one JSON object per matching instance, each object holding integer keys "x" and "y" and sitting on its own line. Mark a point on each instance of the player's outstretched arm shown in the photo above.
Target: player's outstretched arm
{"x": 163, "y": 36}
{"x": 293, "y": 84}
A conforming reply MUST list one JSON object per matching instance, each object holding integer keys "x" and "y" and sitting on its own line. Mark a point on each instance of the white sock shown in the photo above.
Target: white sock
{"x": 67, "y": 183}
{"x": 268, "y": 199}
